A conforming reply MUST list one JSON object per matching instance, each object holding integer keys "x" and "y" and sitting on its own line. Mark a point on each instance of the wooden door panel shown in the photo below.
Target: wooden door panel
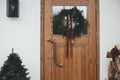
{"x": 70, "y": 2}
{"x": 82, "y": 59}
{"x": 74, "y": 68}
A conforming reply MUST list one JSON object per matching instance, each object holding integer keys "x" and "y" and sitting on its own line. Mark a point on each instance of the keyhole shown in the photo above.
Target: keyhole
{"x": 12, "y": 7}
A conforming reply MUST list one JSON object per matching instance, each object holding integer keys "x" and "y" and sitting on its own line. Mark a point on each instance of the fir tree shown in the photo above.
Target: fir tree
{"x": 13, "y": 69}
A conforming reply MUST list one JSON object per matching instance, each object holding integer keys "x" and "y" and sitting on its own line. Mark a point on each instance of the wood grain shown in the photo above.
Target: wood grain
{"x": 82, "y": 65}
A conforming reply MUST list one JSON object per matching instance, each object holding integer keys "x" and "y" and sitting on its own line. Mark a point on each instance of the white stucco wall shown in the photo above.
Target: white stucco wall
{"x": 22, "y": 34}
{"x": 109, "y": 31}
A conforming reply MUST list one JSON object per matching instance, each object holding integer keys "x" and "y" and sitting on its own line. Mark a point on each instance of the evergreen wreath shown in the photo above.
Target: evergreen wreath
{"x": 80, "y": 22}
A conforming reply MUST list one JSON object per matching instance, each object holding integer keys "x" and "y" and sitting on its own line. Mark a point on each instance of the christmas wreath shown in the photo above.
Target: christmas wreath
{"x": 80, "y": 23}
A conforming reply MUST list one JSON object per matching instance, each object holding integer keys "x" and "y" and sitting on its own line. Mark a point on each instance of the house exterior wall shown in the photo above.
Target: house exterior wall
{"x": 22, "y": 34}
{"x": 109, "y": 32}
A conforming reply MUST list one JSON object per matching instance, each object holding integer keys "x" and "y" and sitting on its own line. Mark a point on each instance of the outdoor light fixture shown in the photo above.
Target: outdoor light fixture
{"x": 13, "y": 8}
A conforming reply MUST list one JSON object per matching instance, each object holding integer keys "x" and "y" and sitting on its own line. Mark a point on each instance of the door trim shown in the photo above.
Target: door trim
{"x": 42, "y": 40}
{"x": 98, "y": 39}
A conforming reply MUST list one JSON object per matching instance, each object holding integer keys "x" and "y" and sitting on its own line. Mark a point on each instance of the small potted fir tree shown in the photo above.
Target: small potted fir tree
{"x": 13, "y": 69}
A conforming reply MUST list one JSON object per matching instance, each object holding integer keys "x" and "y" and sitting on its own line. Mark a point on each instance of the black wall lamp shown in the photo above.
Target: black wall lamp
{"x": 13, "y": 8}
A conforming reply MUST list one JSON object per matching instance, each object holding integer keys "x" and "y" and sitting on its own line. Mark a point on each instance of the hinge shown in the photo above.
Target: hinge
{"x": 96, "y": 6}
{"x": 96, "y": 33}
{"x": 97, "y": 62}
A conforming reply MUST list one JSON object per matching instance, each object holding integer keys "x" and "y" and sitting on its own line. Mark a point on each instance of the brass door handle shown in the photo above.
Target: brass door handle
{"x": 54, "y": 53}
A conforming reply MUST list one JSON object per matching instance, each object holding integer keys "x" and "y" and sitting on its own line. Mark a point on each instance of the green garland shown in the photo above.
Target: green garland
{"x": 80, "y": 23}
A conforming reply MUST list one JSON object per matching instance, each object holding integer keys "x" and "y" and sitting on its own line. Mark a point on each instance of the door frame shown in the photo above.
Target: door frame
{"x": 42, "y": 40}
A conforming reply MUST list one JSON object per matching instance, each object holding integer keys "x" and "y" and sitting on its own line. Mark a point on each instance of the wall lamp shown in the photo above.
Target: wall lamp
{"x": 13, "y": 8}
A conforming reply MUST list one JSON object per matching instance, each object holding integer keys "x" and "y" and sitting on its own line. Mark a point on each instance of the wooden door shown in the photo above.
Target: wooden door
{"x": 81, "y": 61}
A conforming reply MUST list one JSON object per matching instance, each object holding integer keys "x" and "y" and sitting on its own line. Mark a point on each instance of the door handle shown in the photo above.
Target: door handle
{"x": 54, "y": 53}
